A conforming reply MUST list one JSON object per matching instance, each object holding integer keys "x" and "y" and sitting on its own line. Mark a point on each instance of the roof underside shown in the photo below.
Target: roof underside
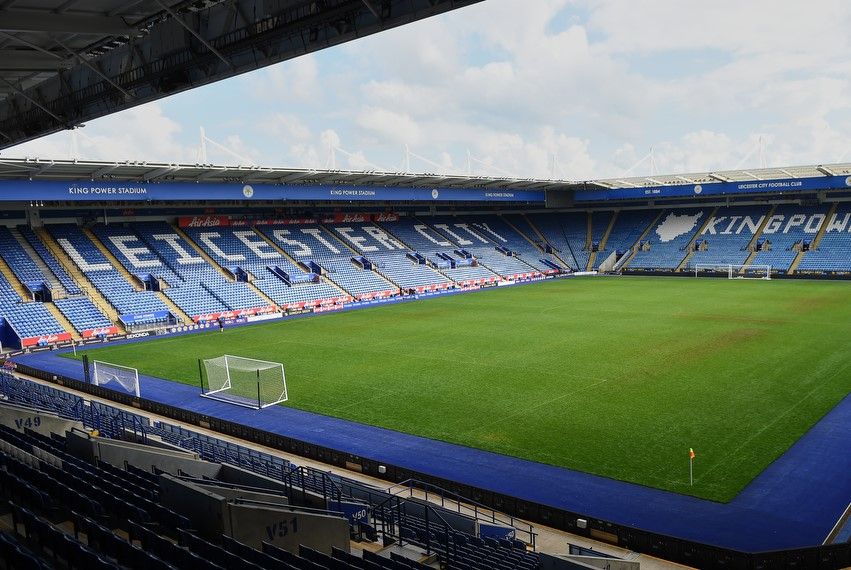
{"x": 63, "y": 62}
{"x": 38, "y": 169}
{"x": 748, "y": 175}
{"x": 34, "y": 169}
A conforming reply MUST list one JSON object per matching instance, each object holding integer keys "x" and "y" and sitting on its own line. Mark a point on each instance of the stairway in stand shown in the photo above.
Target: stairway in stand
{"x": 592, "y": 259}
{"x": 63, "y": 320}
{"x": 56, "y": 288}
{"x": 132, "y": 279}
{"x": 690, "y": 247}
{"x": 752, "y": 244}
{"x": 13, "y": 280}
{"x": 74, "y": 272}
{"x": 816, "y": 240}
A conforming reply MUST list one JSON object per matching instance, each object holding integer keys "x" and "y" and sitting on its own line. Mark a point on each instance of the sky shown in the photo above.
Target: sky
{"x": 566, "y": 89}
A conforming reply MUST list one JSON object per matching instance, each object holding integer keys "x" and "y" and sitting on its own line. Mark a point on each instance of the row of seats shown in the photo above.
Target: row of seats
{"x": 305, "y": 243}
{"x": 503, "y": 232}
{"x": 34, "y": 319}
{"x": 220, "y": 451}
{"x": 82, "y": 313}
{"x": 18, "y": 260}
{"x": 29, "y": 320}
{"x": 667, "y": 241}
{"x": 57, "y": 547}
{"x": 441, "y": 239}
{"x": 106, "y": 278}
{"x": 834, "y": 251}
{"x": 502, "y": 245}
{"x": 85, "y": 488}
{"x": 15, "y": 556}
{"x": 101, "y": 497}
{"x": 567, "y": 233}
{"x": 728, "y": 233}
{"x": 71, "y": 287}
{"x": 626, "y": 230}
{"x": 459, "y": 549}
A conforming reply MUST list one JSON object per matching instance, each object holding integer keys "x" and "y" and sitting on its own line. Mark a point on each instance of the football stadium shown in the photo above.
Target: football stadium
{"x": 212, "y": 366}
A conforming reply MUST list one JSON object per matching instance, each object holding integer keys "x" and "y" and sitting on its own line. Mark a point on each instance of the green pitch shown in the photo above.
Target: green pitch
{"x": 613, "y": 376}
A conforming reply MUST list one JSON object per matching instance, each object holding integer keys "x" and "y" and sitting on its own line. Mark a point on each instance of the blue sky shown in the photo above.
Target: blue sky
{"x": 514, "y": 84}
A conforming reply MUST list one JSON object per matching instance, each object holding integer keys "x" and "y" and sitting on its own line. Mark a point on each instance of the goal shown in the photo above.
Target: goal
{"x": 115, "y": 377}
{"x": 733, "y": 271}
{"x": 243, "y": 381}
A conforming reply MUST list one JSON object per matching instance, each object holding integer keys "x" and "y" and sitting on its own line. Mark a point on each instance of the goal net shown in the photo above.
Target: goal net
{"x": 733, "y": 271}
{"x": 115, "y": 377}
{"x": 243, "y": 381}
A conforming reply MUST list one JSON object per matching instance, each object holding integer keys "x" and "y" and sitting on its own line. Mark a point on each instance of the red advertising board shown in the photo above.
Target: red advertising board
{"x": 385, "y": 217}
{"x": 234, "y": 314}
{"x": 45, "y": 339}
{"x": 103, "y": 331}
{"x": 204, "y": 221}
{"x": 215, "y": 221}
{"x": 285, "y": 222}
{"x": 343, "y": 218}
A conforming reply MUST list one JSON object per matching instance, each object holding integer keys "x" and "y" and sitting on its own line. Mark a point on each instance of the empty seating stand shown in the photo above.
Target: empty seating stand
{"x": 728, "y": 234}
{"x": 100, "y": 271}
{"x": 832, "y": 255}
{"x": 18, "y": 260}
{"x": 789, "y": 225}
{"x": 567, "y": 233}
{"x": 668, "y": 239}
{"x": 83, "y": 314}
{"x": 627, "y": 229}
{"x": 71, "y": 287}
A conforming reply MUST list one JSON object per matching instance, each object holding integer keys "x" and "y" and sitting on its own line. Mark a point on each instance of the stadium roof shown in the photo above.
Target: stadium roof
{"x": 41, "y": 169}
{"x": 63, "y": 62}
{"x": 35, "y": 169}
{"x": 716, "y": 176}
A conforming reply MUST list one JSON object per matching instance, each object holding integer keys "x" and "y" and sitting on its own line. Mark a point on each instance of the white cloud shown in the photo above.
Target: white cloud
{"x": 140, "y": 133}
{"x": 286, "y": 127}
{"x": 389, "y": 125}
{"x": 295, "y": 80}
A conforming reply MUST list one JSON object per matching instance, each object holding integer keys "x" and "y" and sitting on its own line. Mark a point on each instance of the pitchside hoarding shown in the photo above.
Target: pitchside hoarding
{"x": 100, "y": 191}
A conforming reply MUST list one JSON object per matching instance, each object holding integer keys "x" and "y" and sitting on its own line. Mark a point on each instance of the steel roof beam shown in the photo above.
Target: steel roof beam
{"x": 28, "y": 60}
{"x": 372, "y": 8}
{"x": 198, "y": 36}
{"x": 63, "y": 24}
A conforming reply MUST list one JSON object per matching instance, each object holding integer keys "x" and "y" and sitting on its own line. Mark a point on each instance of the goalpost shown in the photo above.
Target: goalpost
{"x": 734, "y": 271}
{"x": 243, "y": 381}
{"x": 104, "y": 373}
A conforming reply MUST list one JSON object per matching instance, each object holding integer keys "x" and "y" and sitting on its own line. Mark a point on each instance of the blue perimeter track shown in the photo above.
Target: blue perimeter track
{"x": 794, "y": 503}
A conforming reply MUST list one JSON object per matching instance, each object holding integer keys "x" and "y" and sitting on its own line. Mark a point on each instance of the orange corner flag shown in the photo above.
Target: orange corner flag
{"x": 690, "y": 453}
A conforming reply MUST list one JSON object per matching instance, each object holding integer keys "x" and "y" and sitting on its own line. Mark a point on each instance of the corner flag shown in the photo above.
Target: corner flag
{"x": 690, "y": 466}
